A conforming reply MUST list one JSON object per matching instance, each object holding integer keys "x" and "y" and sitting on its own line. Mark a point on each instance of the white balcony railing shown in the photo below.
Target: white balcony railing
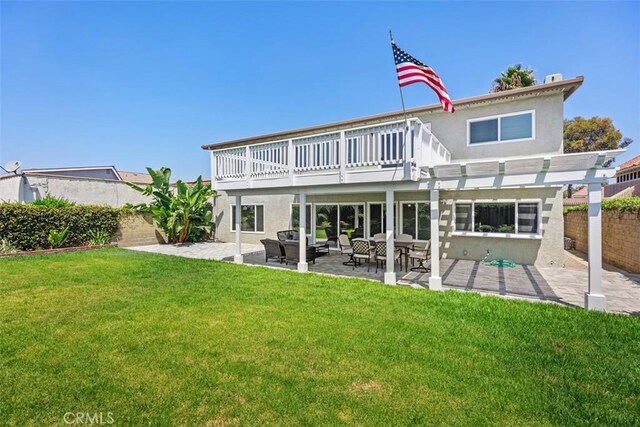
{"x": 366, "y": 148}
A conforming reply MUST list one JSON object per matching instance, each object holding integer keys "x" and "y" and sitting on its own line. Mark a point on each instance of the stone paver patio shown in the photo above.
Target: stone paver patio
{"x": 565, "y": 285}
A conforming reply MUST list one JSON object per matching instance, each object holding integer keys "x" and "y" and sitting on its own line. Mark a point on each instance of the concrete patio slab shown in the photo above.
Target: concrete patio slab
{"x": 204, "y": 250}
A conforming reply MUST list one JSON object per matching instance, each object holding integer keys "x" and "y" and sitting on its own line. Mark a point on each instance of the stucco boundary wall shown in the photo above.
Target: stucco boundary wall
{"x": 138, "y": 230}
{"x": 620, "y": 237}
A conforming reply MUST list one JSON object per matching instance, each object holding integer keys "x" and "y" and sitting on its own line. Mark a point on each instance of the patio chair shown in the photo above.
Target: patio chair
{"x": 345, "y": 248}
{"x": 408, "y": 238}
{"x": 381, "y": 255}
{"x": 379, "y": 237}
{"x": 358, "y": 233}
{"x": 422, "y": 254}
{"x": 273, "y": 249}
{"x": 361, "y": 251}
{"x": 292, "y": 252}
{"x": 331, "y": 236}
{"x": 285, "y": 235}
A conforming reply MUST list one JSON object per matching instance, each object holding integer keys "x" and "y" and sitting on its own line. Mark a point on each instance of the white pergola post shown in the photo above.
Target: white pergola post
{"x": 237, "y": 258}
{"x": 303, "y": 266}
{"x": 390, "y": 274}
{"x": 435, "y": 281}
{"x": 594, "y": 299}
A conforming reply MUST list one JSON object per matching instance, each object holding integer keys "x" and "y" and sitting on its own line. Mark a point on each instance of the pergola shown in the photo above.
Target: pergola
{"x": 514, "y": 172}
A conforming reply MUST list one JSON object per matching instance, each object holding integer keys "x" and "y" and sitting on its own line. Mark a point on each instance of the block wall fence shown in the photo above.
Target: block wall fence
{"x": 138, "y": 230}
{"x": 620, "y": 237}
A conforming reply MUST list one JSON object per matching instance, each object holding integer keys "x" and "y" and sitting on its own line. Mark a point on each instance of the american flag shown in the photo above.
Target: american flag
{"x": 410, "y": 71}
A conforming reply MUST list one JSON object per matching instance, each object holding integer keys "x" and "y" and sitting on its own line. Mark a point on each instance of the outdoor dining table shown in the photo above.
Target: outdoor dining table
{"x": 404, "y": 247}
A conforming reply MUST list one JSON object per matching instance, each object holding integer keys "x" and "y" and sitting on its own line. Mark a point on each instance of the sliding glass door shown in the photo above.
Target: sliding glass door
{"x": 416, "y": 220}
{"x": 335, "y": 219}
{"x": 378, "y": 218}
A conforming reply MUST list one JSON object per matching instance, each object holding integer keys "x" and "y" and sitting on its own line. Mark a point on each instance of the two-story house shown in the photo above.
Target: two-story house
{"x": 487, "y": 178}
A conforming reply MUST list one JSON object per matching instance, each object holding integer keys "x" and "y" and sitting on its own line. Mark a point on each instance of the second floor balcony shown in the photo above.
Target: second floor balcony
{"x": 392, "y": 151}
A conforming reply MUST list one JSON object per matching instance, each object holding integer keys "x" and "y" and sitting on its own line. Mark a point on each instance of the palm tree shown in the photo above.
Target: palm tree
{"x": 515, "y": 76}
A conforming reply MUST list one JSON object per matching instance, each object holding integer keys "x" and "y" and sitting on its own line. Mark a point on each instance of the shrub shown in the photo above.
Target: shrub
{"x": 99, "y": 238}
{"x": 7, "y": 248}
{"x": 184, "y": 213}
{"x": 27, "y": 226}
{"x": 53, "y": 202}
{"x": 621, "y": 204}
{"x": 57, "y": 238}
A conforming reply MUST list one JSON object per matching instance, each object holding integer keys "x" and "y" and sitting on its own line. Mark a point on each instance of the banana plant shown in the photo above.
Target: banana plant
{"x": 183, "y": 211}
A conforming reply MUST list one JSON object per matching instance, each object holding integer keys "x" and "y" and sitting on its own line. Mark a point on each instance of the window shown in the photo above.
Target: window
{"x": 378, "y": 218}
{"x": 464, "y": 216}
{"x": 508, "y": 127}
{"x": 295, "y": 218}
{"x": 501, "y": 217}
{"x": 495, "y": 217}
{"x": 416, "y": 220}
{"x": 251, "y": 218}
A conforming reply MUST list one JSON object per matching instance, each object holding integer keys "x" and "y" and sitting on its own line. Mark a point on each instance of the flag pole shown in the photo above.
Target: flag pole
{"x": 404, "y": 110}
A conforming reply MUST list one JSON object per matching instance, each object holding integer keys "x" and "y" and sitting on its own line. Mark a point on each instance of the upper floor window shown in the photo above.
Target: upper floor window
{"x": 506, "y": 127}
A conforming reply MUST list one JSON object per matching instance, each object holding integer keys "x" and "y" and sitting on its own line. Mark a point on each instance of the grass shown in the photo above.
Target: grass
{"x": 162, "y": 340}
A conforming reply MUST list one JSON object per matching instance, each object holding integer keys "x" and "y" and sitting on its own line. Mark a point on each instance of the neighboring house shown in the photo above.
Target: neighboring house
{"x": 627, "y": 183}
{"x": 627, "y": 180}
{"x": 579, "y": 197}
{"x": 95, "y": 185}
{"x": 487, "y": 178}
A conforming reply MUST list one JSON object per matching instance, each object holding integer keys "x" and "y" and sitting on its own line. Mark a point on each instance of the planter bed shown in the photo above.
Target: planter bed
{"x": 58, "y": 250}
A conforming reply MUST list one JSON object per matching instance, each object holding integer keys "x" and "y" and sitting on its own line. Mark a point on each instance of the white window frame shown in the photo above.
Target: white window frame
{"x": 499, "y": 117}
{"x": 233, "y": 219}
{"x": 415, "y": 222}
{"x": 514, "y": 235}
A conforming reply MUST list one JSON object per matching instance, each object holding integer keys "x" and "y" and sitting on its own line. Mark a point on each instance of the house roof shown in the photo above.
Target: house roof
{"x": 122, "y": 176}
{"x": 567, "y": 87}
{"x": 136, "y": 177}
{"x": 630, "y": 163}
{"x": 44, "y": 171}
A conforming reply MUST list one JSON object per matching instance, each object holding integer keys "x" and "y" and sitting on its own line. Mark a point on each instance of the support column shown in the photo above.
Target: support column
{"x": 303, "y": 266}
{"x": 390, "y": 274}
{"x": 435, "y": 281}
{"x": 594, "y": 299}
{"x": 237, "y": 258}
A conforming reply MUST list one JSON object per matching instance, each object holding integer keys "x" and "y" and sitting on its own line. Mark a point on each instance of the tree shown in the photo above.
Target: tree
{"x": 514, "y": 77}
{"x": 595, "y": 134}
{"x": 184, "y": 212}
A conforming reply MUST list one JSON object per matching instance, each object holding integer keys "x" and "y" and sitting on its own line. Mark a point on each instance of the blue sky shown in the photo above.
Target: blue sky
{"x": 138, "y": 84}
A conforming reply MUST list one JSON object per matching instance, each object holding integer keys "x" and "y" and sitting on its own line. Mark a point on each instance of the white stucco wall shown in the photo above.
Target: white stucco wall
{"x": 10, "y": 189}
{"x": 451, "y": 129}
{"x": 548, "y": 251}
{"x": 81, "y": 191}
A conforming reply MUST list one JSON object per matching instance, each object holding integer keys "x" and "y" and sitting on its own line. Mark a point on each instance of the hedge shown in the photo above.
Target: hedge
{"x": 27, "y": 226}
{"x": 621, "y": 204}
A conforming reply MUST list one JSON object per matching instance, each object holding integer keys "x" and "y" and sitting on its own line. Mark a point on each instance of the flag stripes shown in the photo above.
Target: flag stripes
{"x": 411, "y": 71}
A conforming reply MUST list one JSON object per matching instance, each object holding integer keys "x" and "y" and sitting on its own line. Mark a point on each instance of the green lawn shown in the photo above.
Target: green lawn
{"x": 159, "y": 340}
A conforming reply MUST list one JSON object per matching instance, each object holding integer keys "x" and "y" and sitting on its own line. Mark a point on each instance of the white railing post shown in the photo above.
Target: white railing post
{"x": 291, "y": 160}
{"x": 247, "y": 163}
{"x": 343, "y": 155}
